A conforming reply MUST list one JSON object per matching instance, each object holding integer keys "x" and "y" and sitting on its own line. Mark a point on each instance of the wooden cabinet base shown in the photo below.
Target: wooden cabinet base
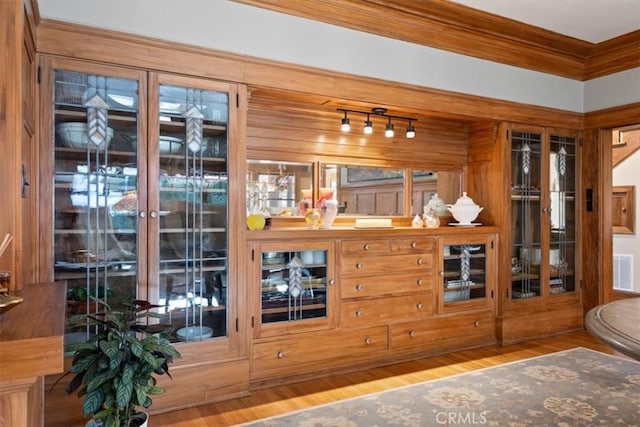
{"x": 553, "y": 320}
{"x": 192, "y": 385}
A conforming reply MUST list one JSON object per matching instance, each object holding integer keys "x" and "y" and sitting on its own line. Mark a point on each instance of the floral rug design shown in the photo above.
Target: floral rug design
{"x": 578, "y": 387}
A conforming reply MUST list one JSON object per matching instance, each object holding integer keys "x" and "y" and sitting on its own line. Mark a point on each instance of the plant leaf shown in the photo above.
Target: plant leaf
{"x": 110, "y": 348}
{"x": 92, "y": 402}
{"x": 124, "y": 388}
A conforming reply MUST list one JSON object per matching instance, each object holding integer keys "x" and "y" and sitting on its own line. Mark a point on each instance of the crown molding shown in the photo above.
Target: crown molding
{"x": 456, "y": 28}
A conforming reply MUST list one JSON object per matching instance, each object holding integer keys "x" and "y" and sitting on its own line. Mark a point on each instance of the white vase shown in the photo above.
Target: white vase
{"x": 328, "y": 213}
{"x": 99, "y": 423}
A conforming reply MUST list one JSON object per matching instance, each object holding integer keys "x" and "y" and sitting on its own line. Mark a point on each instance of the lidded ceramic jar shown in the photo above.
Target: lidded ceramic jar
{"x": 465, "y": 210}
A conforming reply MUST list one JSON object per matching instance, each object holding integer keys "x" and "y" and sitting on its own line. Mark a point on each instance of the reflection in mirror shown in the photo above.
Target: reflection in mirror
{"x": 362, "y": 190}
{"x": 425, "y": 188}
{"x": 277, "y": 186}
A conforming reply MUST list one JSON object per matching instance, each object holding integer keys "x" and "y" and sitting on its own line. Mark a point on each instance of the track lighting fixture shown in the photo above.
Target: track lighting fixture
{"x": 377, "y": 112}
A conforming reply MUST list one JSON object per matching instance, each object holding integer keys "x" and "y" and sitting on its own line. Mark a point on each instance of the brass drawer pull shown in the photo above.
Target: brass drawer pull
{"x": 420, "y": 261}
{"x": 332, "y": 282}
{"x": 412, "y": 334}
{"x": 280, "y": 355}
{"x": 366, "y": 246}
{"x": 414, "y": 245}
{"x": 368, "y": 341}
{"x": 476, "y": 323}
{"x": 419, "y": 306}
{"x": 359, "y": 265}
{"x": 359, "y": 313}
{"x": 420, "y": 282}
{"x": 359, "y": 287}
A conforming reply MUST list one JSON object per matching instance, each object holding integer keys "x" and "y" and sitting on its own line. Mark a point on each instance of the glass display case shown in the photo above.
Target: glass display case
{"x": 192, "y": 238}
{"x": 466, "y": 271}
{"x": 95, "y": 236}
{"x": 296, "y": 286}
{"x": 543, "y": 209}
{"x": 140, "y": 204}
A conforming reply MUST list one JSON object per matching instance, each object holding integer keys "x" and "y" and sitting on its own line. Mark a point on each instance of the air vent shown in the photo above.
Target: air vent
{"x": 623, "y": 272}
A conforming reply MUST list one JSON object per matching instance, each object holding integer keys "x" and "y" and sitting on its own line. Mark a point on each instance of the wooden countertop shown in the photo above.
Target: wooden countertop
{"x": 348, "y": 232}
{"x": 32, "y": 333}
{"x": 617, "y": 324}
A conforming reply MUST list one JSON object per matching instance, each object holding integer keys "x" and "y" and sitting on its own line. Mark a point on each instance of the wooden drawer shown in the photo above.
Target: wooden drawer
{"x": 459, "y": 331}
{"x": 372, "y": 286}
{"x": 365, "y": 247}
{"x": 384, "y": 310}
{"x": 413, "y": 245}
{"x": 395, "y": 264}
{"x": 311, "y": 351}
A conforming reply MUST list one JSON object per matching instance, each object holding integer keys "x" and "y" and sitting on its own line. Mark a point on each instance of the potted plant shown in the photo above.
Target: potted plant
{"x": 114, "y": 369}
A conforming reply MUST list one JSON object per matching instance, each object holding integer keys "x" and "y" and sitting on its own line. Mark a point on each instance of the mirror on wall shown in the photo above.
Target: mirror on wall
{"x": 365, "y": 190}
{"x": 278, "y": 186}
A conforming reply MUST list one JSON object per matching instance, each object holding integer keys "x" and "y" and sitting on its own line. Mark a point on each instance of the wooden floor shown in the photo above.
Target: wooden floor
{"x": 282, "y": 399}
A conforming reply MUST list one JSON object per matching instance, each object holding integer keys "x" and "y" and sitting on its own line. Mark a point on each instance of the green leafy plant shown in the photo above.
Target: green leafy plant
{"x": 114, "y": 369}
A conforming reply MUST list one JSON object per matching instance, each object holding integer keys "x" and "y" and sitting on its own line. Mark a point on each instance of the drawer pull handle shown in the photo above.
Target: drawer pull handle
{"x": 412, "y": 333}
{"x": 419, "y": 306}
{"x": 442, "y": 273}
{"x": 280, "y": 355}
{"x": 359, "y": 265}
{"x": 420, "y": 261}
{"x": 420, "y": 282}
{"x": 359, "y": 313}
{"x": 359, "y": 288}
{"x": 366, "y": 246}
{"x": 476, "y": 323}
{"x": 332, "y": 282}
{"x": 142, "y": 214}
{"x": 414, "y": 245}
{"x": 153, "y": 214}
{"x": 368, "y": 341}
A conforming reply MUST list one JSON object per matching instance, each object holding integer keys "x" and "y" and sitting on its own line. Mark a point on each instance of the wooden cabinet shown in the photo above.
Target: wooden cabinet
{"x": 381, "y": 302}
{"x": 539, "y": 209}
{"x": 386, "y": 280}
{"x": 467, "y": 273}
{"x": 296, "y": 290}
{"x": 316, "y": 351}
{"x": 136, "y": 201}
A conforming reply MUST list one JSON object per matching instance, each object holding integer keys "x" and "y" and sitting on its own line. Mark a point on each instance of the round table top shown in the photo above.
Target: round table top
{"x": 617, "y": 324}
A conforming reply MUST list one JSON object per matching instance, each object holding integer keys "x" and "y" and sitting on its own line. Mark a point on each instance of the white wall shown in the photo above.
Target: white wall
{"x": 626, "y": 173}
{"x": 242, "y": 29}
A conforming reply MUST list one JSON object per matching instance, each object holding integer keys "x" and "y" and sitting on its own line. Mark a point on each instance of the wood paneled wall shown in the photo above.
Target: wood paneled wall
{"x": 313, "y": 132}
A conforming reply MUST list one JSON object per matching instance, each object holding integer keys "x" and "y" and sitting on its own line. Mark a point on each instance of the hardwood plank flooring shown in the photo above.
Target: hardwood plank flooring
{"x": 281, "y": 399}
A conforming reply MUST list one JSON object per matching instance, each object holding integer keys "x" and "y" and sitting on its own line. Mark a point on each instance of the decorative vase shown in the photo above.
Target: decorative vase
{"x": 328, "y": 213}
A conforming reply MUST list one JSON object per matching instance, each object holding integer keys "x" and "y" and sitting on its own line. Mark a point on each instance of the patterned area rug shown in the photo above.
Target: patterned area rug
{"x": 578, "y": 387}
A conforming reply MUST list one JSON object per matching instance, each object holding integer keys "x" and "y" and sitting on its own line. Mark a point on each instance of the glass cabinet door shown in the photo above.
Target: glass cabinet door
{"x": 295, "y": 287}
{"x": 562, "y": 214}
{"x": 466, "y": 271}
{"x": 95, "y": 233}
{"x": 526, "y": 214}
{"x": 190, "y": 144}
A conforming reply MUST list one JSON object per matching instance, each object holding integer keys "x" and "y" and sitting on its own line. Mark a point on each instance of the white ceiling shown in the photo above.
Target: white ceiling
{"x": 589, "y": 20}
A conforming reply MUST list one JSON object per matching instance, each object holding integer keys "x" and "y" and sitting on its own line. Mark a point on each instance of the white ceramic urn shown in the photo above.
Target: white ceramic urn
{"x": 465, "y": 210}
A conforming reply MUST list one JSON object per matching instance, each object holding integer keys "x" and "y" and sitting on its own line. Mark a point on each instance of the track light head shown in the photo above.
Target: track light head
{"x": 388, "y": 130}
{"x": 368, "y": 126}
{"x": 411, "y": 131}
{"x": 346, "y": 126}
